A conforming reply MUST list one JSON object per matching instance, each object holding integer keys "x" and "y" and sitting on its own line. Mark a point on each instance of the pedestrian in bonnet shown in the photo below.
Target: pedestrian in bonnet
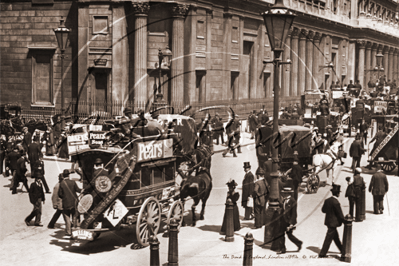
{"x": 247, "y": 190}
{"x": 334, "y": 218}
{"x": 36, "y": 197}
{"x": 57, "y": 203}
{"x": 233, "y": 196}
{"x": 68, "y": 193}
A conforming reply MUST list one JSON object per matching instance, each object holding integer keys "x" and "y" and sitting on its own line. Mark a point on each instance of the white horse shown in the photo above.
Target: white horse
{"x": 327, "y": 161}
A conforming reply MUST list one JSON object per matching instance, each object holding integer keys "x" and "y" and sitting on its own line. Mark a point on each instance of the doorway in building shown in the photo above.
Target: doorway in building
{"x": 100, "y": 99}
{"x": 234, "y": 85}
{"x": 247, "y": 62}
{"x": 200, "y": 86}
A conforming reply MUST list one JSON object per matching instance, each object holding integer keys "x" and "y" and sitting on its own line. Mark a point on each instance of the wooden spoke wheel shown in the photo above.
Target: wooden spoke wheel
{"x": 313, "y": 183}
{"x": 148, "y": 221}
{"x": 388, "y": 167}
{"x": 176, "y": 212}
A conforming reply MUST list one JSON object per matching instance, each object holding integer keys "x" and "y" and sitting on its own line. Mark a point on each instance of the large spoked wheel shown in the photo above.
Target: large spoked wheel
{"x": 313, "y": 183}
{"x": 148, "y": 221}
{"x": 388, "y": 167}
{"x": 176, "y": 212}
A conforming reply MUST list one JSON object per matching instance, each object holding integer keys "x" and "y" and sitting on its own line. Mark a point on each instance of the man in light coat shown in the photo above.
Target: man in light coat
{"x": 57, "y": 203}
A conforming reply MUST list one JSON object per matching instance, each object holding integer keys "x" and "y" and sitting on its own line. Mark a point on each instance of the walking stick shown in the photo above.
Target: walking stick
{"x": 389, "y": 212}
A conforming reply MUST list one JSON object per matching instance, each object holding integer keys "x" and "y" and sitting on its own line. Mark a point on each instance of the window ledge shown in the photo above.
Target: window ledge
{"x": 42, "y": 105}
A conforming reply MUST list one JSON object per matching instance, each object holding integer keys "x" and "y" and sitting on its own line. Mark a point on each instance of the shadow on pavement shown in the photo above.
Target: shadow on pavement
{"x": 314, "y": 249}
{"x": 210, "y": 228}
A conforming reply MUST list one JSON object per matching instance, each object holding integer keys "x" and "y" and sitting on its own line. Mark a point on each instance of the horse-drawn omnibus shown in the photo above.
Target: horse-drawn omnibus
{"x": 138, "y": 186}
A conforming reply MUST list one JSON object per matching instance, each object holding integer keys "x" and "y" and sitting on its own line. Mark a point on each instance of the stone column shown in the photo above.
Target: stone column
{"x": 309, "y": 61}
{"x": 380, "y": 50}
{"x": 373, "y": 60}
{"x": 351, "y": 60}
{"x": 190, "y": 32}
{"x": 360, "y": 72}
{"x": 120, "y": 51}
{"x": 294, "y": 59}
{"x": 179, "y": 11}
{"x": 390, "y": 70}
{"x": 386, "y": 61}
{"x": 395, "y": 65}
{"x": 302, "y": 62}
{"x": 369, "y": 68}
{"x": 316, "y": 61}
{"x": 140, "y": 53}
{"x": 286, "y": 68}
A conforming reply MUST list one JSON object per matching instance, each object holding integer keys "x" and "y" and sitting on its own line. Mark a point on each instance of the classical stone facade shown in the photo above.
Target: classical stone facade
{"x": 218, "y": 50}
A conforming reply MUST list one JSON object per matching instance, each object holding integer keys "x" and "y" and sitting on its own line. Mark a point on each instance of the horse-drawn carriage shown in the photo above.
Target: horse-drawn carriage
{"x": 386, "y": 154}
{"x": 292, "y": 142}
{"x": 139, "y": 185}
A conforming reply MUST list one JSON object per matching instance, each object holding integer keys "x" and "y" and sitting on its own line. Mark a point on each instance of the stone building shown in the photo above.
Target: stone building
{"x": 218, "y": 49}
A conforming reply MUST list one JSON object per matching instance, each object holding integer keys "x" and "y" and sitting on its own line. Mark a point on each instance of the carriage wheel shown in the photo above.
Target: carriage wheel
{"x": 148, "y": 221}
{"x": 176, "y": 212}
{"x": 313, "y": 183}
{"x": 388, "y": 167}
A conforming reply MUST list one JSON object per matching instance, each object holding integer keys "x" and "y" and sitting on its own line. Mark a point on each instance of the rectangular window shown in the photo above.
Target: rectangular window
{"x": 234, "y": 35}
{"x": 42, "y": 78}
{"x": 100, "y": 25}
{"x": 234, "y": 85}
{"x": 200, "y": 78}
{"x": 200, "y": 30}
{"x": 266, "y": 87}
{"x": 158, "y": 175}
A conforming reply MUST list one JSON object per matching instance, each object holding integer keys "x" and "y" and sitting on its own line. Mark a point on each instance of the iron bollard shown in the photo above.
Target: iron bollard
{"x": 173, "y": 252}
{"x": 363, "y": 205}
{"x": 248, "y": 249}
{"x": 229, "y": 221}
{"x": 347, "y": 239}
{"x": 154, "y": 249}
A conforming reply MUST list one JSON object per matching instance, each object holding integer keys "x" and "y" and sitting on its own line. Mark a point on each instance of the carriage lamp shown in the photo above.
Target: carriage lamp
{"x": 278, "y": 20}
{"x": 62, "y": 33}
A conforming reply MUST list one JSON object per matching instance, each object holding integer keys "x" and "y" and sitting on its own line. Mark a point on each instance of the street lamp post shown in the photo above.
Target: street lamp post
{"x": 62, "y": 33}
{"x": 167, "y": 55}
{"x": 278, "y": 21}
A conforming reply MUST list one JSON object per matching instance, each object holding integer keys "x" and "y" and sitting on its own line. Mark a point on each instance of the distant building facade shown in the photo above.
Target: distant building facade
{"x": 218, "y": 50}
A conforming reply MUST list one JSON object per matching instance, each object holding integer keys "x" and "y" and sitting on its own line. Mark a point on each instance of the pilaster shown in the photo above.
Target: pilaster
{"x": 309, "y": 61}
{"x": 302, "y": 62}
{"x": 294, "y": 59}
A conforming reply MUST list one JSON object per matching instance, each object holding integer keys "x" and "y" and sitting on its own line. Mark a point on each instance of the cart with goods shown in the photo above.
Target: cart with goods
{"x": 138, "y": 187}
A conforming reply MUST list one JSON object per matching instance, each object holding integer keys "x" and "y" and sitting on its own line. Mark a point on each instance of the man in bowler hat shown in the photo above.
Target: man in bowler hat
{"x": 334, "y": 218}
{"x": 36, "y": 197}
{"x": 247, "y": 190}
{"x": 260, "y": 195}
{"x": 378, "y": 187}
{"x": 67, "y": 192}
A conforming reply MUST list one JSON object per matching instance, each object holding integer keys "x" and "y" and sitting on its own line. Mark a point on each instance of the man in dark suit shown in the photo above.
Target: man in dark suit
{"x": 334, "y": 218}
{"x": 296, "y": 175}
{"x": 288, "y": 220}
{"x": 230, "y": 131}
{"x": 260, "y": 196}
{"x": 247, "y": 190}
{"x": 358, "y": 186}
{"x": 67, "y": 192}
{"x": 38, "y": 171}
{"x": 36, "y": 197}
{"x": 378, "y": 187}
{"x": 11, "y": 161}
{"x": 363, "y": 131}
{"x": 34, "y": 152}
{"x": 20, "y": 173}
{"x": 27, "y": 139}
{"x": 253, "y": 123}
{"x": 355, "y": 151}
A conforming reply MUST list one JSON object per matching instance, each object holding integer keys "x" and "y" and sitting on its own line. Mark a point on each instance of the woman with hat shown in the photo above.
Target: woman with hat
{"x": 233, "y": 196}
{"x": 247, "y": 190}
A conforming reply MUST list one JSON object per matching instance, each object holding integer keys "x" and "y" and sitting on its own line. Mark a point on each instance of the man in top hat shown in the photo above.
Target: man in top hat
{"x": 247, "y": 190}
{"x": 34, "y": 152}
{"x": 68, "y": 193}
{"x": 378, "y": 187}
{"x": 296, "y": 175}
{"x": 260, "y": 196}
{"x": 288, "y": 220}
{"x": 334, "y": 218}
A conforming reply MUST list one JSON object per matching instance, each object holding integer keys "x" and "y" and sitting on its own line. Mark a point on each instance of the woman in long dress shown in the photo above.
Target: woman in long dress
{"x": 233, "y": 196}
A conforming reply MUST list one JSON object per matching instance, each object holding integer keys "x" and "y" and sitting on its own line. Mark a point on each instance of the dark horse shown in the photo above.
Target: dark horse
{"x": 198, "y": 187}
